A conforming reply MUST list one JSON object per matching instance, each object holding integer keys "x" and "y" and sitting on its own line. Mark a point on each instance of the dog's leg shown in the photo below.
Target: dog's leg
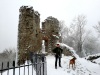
{"x": 72, "y": 66}
{"x": 69, "y": 65}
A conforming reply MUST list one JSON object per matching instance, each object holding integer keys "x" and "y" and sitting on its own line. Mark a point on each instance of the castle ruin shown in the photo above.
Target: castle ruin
{"x": 50, "y": 28}
{"x": 30, "y": 35}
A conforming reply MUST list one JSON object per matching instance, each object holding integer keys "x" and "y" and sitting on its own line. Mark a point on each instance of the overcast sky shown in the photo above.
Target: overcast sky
{"x": 64, "y": 10}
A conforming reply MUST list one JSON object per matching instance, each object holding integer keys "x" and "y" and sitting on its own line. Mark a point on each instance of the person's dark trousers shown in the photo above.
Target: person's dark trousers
{"x": 59, "y": 61}
{"x": 56, "y": 59}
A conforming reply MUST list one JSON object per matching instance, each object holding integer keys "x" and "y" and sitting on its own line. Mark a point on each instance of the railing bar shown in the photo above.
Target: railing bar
{"x": 8, "y": 68}
{"x": 24, "y": 68}
{"x": 32, "y": 69}
{"x": 43, "y": 68}
{"x": 28, "y": 68}
{"x": 36, "y": 65}
{"x": 2, "y": 68}
{"x": 13, "y": 67}
{"x": 19, "y": 67}
{"x": 41, "y": 71}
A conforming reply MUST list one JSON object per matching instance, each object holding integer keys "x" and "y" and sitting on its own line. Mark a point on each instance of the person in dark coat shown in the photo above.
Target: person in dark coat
{"x": 58, "y": 54}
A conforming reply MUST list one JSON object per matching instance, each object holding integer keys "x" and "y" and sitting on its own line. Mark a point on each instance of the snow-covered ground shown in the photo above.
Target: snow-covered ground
{"x": 83, "y": 66}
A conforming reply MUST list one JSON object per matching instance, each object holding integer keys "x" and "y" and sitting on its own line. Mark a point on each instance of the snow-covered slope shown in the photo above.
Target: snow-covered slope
{"x": 83, "y": 67}
{"x": 95, "y": 58}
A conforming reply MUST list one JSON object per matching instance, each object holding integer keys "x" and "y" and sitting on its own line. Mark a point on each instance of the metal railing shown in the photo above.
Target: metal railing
{"x": 38, "y": 66}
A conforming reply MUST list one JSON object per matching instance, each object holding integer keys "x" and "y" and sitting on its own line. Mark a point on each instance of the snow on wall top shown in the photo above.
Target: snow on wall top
{"x": 30, "y": 8}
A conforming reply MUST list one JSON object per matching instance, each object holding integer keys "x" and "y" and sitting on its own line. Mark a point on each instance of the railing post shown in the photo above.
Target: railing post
{"x": 40, "y": 68}
{"x": 32, "y": 67}
{"x": 8, "y": 68}
{"x": 13, "y": 67}
{"x": 43, "y": 64}
{"x": 24, "y": 68}
{"x": 2, "y": 68}
{"x": 36, "y": 64}
{"x": 28, "y": 68}
{"x": 19, "y": 67}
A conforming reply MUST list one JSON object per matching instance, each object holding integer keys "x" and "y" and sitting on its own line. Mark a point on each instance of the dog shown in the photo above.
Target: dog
{"x": 72, "y": 62}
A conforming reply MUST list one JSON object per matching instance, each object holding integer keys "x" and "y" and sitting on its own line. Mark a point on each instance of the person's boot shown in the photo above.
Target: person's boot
{"x": 55, "y": 67}
{"x": 60, "y": 66}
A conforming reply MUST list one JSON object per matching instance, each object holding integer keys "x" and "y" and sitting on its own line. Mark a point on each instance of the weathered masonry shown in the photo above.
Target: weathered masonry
{"x": 50, "y": 29}
{"x": 30, "y": 35}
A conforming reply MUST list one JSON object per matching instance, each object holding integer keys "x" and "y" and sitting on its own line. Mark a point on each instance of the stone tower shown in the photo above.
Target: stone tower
{"x": 50, "y": 28}
{"x": 29, "y": 34}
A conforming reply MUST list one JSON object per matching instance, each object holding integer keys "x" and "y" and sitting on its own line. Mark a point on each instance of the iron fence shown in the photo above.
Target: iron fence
{"x": 38, "y": 66}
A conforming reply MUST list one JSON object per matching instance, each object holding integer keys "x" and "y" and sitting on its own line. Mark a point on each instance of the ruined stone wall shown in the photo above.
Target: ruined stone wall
{"x": 29, "y": 35}
{"x": 51, "y": 28}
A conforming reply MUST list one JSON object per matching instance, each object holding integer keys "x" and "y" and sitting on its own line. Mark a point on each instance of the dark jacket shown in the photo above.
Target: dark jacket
{"x": 58, "y": 51}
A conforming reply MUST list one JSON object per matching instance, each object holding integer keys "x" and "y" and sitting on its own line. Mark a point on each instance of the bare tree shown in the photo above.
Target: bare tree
{"x": 97, "y": 28}
{"x": 8, "y": 55}
{"x": 79, "y": 38}
{"x": 78, "y": 31}
{"x": 62, "y": 29}
{"x": 91, "y": 44}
